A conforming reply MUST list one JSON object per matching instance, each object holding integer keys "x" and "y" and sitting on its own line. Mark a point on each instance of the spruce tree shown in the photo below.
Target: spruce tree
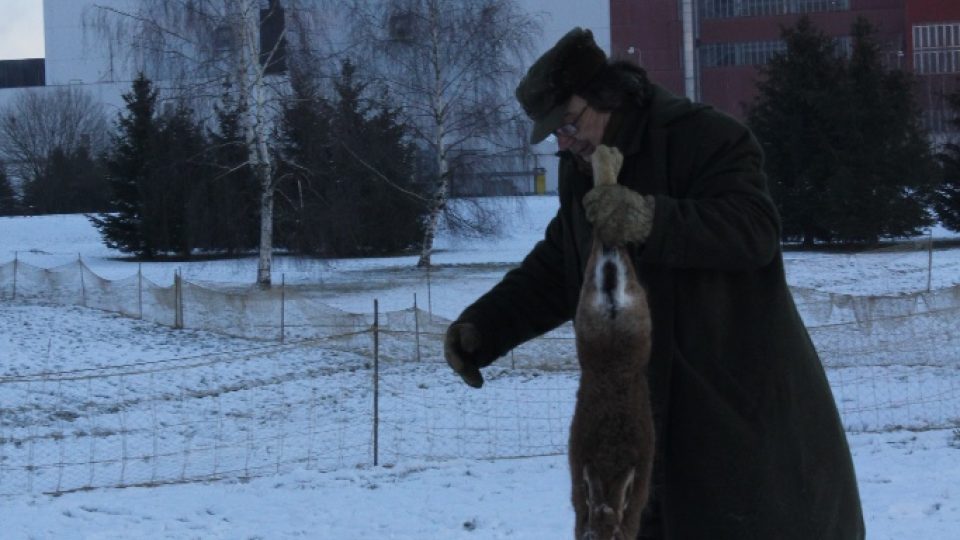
{"x": 225, "y": 212}
{"x": 9, "y": 205}
{"x": 71, "y": 182}
{"x": 845, "y": 153}
{"x": 346, "y": 162}
{"x": 127, "y": 173}
{"x": 176, "y": 173}
{"x": 946, "y": 201}
{"x": 377, "y": 157}
{"x": 305, "y": 155}
{"x": 794, "y": 118}
{"x": 888, "y": 170}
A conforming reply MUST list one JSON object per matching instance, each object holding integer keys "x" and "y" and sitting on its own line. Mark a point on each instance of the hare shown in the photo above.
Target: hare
{"x": 611, "y": 436}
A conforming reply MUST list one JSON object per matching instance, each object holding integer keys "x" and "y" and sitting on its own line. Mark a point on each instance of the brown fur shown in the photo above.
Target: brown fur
{"x": 612, "y": 437}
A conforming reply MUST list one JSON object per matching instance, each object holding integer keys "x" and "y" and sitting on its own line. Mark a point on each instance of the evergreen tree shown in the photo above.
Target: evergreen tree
{"x": 372, "y": 169}
{"x": 225, "y": 209}
{"x": 305, "y": 149}
{"x": 794, "y": 120}
{"x": 177, "y": 172}
{"x": 349, "y": 162}
{"x": 71, "y": 182}
{"x": 846, "y": 156}
{"x": 888, "y": 170}
{"x": 8, "y": 198}
{"x": 127, "y": 173}
{"x": 946, "y": 201}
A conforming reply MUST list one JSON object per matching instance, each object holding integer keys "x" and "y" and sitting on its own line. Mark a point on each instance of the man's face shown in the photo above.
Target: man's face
{"x": 583, "y": 130}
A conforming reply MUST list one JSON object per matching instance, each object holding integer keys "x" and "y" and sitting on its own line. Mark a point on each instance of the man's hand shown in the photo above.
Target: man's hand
{"x": 460, "y": 345}
{"x": 619, "y": 215}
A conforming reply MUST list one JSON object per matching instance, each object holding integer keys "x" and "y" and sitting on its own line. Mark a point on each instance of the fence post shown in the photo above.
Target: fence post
{"x": 283, "y": 295}
{"x": 16, "y": 263}
{"x": 60, "y": 430}
{"x": 83, "y": 284}
{"x": 930, "y": 261}
{"x": 178, "y": 299}
{"x": 416, "y": 324}
{"x": 376, "y": 383}
{"x": 429, "y": 294}
{"x": 140, "y": 289}
{"x": 31, "y": 469}
{"x": 153, "y": 416}
{"x": 312, "y": 420}
{"x": 123, "y": 430}
{"x": 92, "y": 429}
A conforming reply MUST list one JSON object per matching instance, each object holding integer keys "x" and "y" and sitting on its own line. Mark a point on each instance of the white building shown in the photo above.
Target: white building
{"x": 76, "y": 54}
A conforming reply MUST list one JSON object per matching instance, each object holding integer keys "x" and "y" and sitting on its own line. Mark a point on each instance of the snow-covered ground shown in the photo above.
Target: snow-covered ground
{"x": 908, "y": 482}
{"x": 179, "y": 379}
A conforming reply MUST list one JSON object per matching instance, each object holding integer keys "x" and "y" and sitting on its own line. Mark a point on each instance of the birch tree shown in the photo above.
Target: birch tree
{"x": 452, "y": 65}
{"x": 194, "y": 49}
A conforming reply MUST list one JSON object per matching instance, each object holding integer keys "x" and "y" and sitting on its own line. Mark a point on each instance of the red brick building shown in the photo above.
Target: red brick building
{"x": 709, "y": 50}
{"x": 933, "y": 50}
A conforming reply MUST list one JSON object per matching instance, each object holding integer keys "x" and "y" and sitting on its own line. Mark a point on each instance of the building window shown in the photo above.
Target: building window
{"x": 756, "y": 53}
{"x": 22, "y": 73}
{"x": 723, "y": 9}
{"x": 936, "y": 48}
{"x": 750, "y": 53}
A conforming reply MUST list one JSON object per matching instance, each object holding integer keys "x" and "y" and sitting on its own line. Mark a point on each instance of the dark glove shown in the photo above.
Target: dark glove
{"x": 619, "y": 215}
{"x": 460, "y": 346}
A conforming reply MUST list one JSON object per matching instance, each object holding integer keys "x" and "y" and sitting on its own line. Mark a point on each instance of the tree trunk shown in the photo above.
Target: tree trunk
{"x": 439, "y": 127}
{"x": 439, "y": 198}
{"x": 433, "y": 220}
{"x": 265, "y": 261}
{"x": 264, "y": 170}
{"x": 253, "y": 96}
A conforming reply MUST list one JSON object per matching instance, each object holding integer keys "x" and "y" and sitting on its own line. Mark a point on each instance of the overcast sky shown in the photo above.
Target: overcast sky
{"x": 21, "y": 29}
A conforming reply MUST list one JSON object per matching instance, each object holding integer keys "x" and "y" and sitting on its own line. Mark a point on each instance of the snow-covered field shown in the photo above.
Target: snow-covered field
{"x": 298, "y": 462}
{"x": 908, "y": 483}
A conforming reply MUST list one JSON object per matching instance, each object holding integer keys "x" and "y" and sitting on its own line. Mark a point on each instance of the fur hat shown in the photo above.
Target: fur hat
{"x": 563, "y": 70}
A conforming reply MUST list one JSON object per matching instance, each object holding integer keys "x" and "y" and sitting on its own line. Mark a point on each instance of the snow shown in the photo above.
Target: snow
{"x": 907, "y": 481}
{"x": 426, "y": 486}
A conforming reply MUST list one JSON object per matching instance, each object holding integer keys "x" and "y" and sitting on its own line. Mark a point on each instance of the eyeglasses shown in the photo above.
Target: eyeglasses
{"x": 570, "y": 128}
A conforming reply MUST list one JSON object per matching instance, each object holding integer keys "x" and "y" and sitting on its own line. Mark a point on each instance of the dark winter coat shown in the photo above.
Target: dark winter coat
{"x": 749, "y": 441}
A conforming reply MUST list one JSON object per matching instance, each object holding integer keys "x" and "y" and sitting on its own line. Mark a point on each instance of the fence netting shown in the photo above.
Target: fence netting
{"x": 303, "y": 395}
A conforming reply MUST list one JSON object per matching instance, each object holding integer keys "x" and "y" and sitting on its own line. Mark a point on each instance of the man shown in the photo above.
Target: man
{"x": 749, "y": 441}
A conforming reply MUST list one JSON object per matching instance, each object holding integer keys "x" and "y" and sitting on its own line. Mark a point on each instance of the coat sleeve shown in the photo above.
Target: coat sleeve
{"x": 529, "y": 301}
{"x": 721, "y": 215}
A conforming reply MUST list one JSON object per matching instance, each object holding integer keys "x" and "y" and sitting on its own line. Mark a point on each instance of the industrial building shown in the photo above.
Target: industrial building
{"x": 710, "y": 50}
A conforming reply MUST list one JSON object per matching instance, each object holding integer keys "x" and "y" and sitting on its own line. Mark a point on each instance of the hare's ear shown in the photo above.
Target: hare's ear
{"x": 625, "y": 489}
{"x": 594, "y": 486}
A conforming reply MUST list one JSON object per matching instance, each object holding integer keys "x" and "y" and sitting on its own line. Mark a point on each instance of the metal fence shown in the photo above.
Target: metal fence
{"x": 343, "y": 390}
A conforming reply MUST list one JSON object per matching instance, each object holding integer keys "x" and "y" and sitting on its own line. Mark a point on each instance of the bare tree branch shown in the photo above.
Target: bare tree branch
{"x": 35, "y": 123}
{"x": 381, "y": 176}
{"x": 447, "y": 62}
